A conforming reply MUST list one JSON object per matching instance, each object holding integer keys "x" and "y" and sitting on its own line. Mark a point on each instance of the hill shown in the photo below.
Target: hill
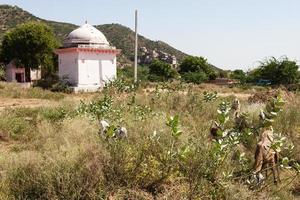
{"x": 120, "y": 36}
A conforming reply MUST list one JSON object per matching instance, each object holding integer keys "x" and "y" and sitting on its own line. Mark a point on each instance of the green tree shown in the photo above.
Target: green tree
{"x": 278, "y": 71}
{"x": 29, "y": 45}
{"x": 239, "y": 75}
{"x": 194, "y": 64}
{"x": 196, "y": 69}
{"x": 161, "y": 71}
{"x": 223, "y": 74}
{"x": 195, "y": 77}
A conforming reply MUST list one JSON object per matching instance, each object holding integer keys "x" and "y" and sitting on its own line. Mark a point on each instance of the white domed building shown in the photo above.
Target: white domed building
{"x": 87, "y": 60}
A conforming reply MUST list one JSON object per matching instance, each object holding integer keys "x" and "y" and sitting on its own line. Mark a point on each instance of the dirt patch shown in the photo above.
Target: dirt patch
{"x": 241, "y": 96}
{"x": 31, "y": 103}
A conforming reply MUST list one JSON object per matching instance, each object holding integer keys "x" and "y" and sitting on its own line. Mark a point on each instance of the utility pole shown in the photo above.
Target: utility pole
{"x": 136, "y": 47}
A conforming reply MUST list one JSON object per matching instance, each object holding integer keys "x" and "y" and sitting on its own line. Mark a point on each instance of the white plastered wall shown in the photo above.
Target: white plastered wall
{"x": 68, "y": 66}
{"x": 96, "y": 68}
{"x": 11, "y": 71}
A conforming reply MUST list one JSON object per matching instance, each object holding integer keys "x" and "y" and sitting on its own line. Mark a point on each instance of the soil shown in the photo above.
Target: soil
{"x": 15, "y": 103}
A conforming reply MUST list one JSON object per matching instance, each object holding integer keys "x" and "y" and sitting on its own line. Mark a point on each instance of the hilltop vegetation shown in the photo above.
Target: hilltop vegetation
{"x": 118, "y": 35}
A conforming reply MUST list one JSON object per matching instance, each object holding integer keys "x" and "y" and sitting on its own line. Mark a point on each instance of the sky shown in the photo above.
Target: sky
{"x": 231, "y": 34}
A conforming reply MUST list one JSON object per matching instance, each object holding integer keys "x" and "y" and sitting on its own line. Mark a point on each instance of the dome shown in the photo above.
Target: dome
{"x": 86, "y": 35}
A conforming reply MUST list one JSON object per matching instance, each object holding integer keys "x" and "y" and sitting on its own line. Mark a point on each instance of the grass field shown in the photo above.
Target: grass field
{"x": 50, "y": 147}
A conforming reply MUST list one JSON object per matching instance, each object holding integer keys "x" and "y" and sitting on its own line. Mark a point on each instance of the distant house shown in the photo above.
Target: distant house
{"x": 224, "y": 81}
{"x": 17, "y": 74}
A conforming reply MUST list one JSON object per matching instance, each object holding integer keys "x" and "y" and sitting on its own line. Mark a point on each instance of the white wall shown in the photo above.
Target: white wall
{"x": 35, "y": 74}
{"x": 106, "y": 66}
{"x": 108, "y": 69}
{"x": 89, "y": 73}
{"x": 11, "y": 71}
{"x": 87, "y": 69}
{"x": 68, "y": 66}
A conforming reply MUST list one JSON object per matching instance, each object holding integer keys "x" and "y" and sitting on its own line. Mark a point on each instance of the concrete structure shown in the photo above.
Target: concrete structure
{"x": 17, "y": 74}
{"x": 87, "y": 60}
{"x": 148, "y": 56}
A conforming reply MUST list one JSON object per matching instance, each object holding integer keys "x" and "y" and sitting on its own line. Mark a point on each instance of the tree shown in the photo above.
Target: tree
{"x": 195, "y": 77}
{"x": 196, "y": 69}
{"x": 278, "y": 71}
{"x": 239, "y": 75}
{"x": 29, "y": 45}
{"x": 194, "y": 64}
{"x": 161, "y": 71}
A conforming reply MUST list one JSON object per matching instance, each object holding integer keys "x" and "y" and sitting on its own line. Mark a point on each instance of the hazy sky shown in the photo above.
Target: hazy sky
{"x": 229, "y": 33}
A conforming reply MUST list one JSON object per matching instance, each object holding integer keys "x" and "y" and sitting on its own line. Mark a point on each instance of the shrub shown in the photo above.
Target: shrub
{"x": 127, "y": 73}
{"x": 196, "y": 70}
{"x": 194, "y": 77}
{"x": 62, "y": 85}
{"x": 160, "y": 71}
{"x": 56, "y": 114}
{"x": 277, "y": 71}
{"x": 47, "y": 82}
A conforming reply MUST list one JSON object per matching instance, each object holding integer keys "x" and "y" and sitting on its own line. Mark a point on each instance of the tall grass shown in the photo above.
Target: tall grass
{"x": 12, "y": 90}
{"x": 56, "y": 152}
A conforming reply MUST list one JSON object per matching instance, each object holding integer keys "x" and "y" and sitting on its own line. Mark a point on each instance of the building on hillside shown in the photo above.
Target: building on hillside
{"x": 148, "y": 56}
{"x": 17, "y": 74}
{"x": 87, "y": 60}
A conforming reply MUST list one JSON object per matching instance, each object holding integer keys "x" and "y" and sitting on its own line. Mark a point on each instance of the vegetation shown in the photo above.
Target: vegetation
{"x": 239, "y": 75}
{"x": 277, "y": 71}
{"x": 30, "y": 45}
{"x": 160, "y": 71}
{"x": 128, "y": 73}
{"x": 8, "y": 90}
{"x": 55, "y": 152}
{"x": 196, "y": 70}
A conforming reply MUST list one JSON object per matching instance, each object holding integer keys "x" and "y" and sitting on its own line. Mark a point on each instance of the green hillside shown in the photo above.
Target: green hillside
{"x": 120, "y": 36}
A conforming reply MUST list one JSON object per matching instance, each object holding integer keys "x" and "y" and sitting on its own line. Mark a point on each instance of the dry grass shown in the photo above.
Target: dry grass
{"x": 52, "y": 152}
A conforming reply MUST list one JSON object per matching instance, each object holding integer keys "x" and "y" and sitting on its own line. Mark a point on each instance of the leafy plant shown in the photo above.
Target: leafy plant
{"x": 271, "y": 111}
{"x": 98, "y": 109}
{"x": 160, "y": 71}
{"x": 210, "y": 96}
{"x": 173, "y": 123}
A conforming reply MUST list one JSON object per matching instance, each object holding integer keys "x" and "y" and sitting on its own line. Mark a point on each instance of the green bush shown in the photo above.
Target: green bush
{"x": 55, "y": 114}
{"x": 127, "y": 73}
{"x": 196, "y": 70}
{"x": 62, "y": 86}
{"x": 160, "y": 71}
{"x": 194, "y": 77}
{"x": 277, "y": 71}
